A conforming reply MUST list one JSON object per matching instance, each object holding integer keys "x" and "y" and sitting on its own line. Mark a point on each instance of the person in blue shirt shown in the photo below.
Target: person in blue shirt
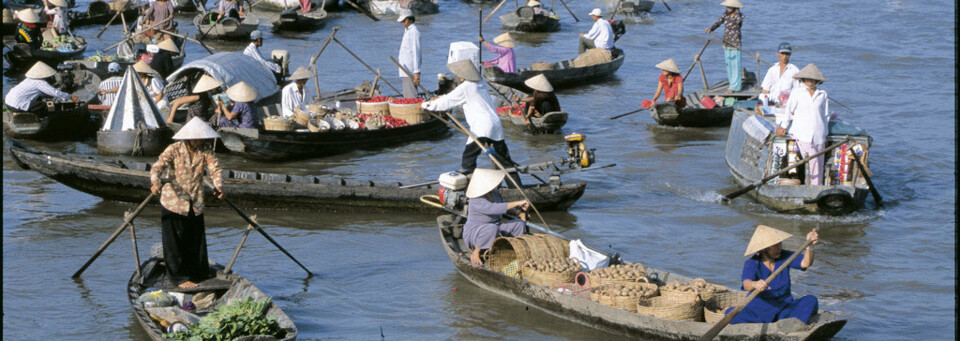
{"x": 242, "y": 114}
{"x": 775, "y": 301}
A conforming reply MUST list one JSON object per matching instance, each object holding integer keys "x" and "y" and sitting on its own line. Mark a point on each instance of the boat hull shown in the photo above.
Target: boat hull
{"x": 227, "y": 28}
{"x": 563, "y": 77}
{"x": 22, "y": 57}
{"x": 67, "y": 121}
{"x": 139, "y": 142}
{"x": 529, "y": 23}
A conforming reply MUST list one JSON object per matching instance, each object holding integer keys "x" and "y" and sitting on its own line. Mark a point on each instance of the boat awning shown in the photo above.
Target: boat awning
{"x": 232, "y": 68}
{"x": 133, "y": 107}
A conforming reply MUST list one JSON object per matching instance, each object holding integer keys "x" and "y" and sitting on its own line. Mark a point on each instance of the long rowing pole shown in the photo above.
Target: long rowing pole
{"x": 365, "y": 64}
{"x": 127, "y": 220}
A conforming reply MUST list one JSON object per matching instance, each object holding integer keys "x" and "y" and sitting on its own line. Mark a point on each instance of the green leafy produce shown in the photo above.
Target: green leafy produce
{"x": 242, "y": 318}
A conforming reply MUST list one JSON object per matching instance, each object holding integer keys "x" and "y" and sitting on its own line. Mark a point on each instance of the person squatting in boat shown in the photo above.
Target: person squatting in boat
{"x": 485, "y": 210}
{"x": 542, "y": 101}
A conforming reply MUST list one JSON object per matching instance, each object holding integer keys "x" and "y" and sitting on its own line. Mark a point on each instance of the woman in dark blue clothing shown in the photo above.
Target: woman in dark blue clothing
{"x": 775, "y": 301}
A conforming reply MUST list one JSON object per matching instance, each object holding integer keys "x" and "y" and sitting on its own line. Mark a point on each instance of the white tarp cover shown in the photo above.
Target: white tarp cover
{"x": 132, "y": 106}
{"x": 232, "y": 68}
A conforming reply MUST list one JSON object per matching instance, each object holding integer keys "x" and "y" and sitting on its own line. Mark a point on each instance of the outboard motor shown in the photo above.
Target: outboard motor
{"x": 453, "y": 190}
{"x": 64, "y": 77}
{"x": 578, "y": 150}
{"x": 282, "y": 58}
{"x": 619, "y": 29}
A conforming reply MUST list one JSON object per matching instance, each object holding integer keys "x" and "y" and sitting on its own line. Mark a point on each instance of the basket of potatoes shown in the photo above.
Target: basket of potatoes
{"x": 696, "y": 287}
{"x": 620, "y": 273}
{"x": 623, "y": 295}
{"x": 550, "y": 271}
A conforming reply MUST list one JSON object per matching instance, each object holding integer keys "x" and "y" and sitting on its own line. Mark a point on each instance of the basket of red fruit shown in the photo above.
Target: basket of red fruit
{"x": 408, "y": 109}
{"x": 377, "y": 105}
{"x": 510, "y": 110}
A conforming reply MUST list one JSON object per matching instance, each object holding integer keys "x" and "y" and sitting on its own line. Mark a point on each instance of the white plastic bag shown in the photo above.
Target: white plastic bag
{"x": 589, "y": 259}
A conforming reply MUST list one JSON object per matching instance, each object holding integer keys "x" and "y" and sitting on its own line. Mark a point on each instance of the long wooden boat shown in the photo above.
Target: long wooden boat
{"x": 392, "y": 7}
{"x": 115, "y": 178}
{"x": 574, "y": 308}
{"x": 227, "y": 28}
{"x": 100, "y": 12}
{"x": 22, "y": 56}
{"x": 562, "y": 75}
{"x": 525, "y": 20}
{"x": 227, "y": 288}
{"x": 296, "y": 20}
{"x": 630, "y": 7}
{"x": 753, "y": 151}
{"x": 283, "y": 5}
{"x": 696, "y": 115}
{"x": 67, "y": 121}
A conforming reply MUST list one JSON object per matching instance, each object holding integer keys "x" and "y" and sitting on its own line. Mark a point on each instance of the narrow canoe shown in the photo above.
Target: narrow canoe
{"x": 227, "y": 28}
{"x": 696, "y": 115}
{"x": 563, "y": 74}
{"x": 115, "y": 178}
{"x": 295, "y": 20}
{"x": 62, "y": 121}
{"x": 549, "y": 123}
{"x": 227, "y": 288}
{"x": 595, "y": 315}
{"x": 525, "y": 20}
{"x": 392, "y": 7}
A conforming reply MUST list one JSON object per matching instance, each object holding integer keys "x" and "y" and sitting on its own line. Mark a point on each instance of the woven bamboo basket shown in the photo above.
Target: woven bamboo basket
{"x": 559, "y": 246}
{"x": 599, "y": 281}
{"x": 714, "y": 308}
{"x": 301, "y": 117}
{"x": 505, "y": 250}
{"x": 538, "y": 247}
{"x": 317, "y": 124}
{"x": 671, "y": 308}
{"x": 609, "y": 295}
{"x": 278, "y": 124}
{"x": 545, "y": 278}
{"x": 705, "y": 290}
{"x": 408, "y": 112}
{"x": 379, "y": 108}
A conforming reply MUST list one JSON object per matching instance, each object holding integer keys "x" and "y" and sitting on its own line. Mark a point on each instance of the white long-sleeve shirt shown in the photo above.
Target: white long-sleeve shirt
{"x": 601, "y": 33}
{"x": 410, "y": 51}
{"x": 777, "y": 83}
{"x": 291, "y": 100}
{"x": 477, "y": 108}
{"x": 22, "y": 94}
{"x": 253, "y": 52}
{"x": 808, "y": 115}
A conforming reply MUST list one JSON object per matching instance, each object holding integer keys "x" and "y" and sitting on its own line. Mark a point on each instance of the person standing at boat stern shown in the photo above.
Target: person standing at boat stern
{"x": 481, "y": 116}
{"x": 183, "y": 231}
{"x": 504, "y": 49}
{"x": 484, "y": 211}
{"x": 600, "y": 35}
{"x": 671, "y": 83}
{"x": 159, "y": 11}
{"x": 775, "y": 301}
{"x": 807, "y": 115}
{"x": 409, "y": 57}
{"x": 29, "y": 94}
{"x": 731, "y": 20}
{"x": 28, "y": 31}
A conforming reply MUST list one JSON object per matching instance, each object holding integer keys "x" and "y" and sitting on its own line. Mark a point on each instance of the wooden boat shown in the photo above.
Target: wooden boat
{"x": 595, "y": 315}
{"x": 227, "y": 288}
{"x": 227, "y": 28}
{"x": 753, "y": 151}
{"x": 62, "y": 120}
{"x": 524, "y": 20}
{"x": 100, "y": 12}
{"x": 98, "y": 63}
{"x": 631, "y": 7}
{"x": 563, "y": 74}
{"x": 392, "y": 7}
{"x": 297, "y": 21}
{"x": 282, "y": 5}
{"x": 23, "y": 56}
{"x": 115, "y": 178}
{"x": 696, "y": 115}
{"x": 549, "y": 123}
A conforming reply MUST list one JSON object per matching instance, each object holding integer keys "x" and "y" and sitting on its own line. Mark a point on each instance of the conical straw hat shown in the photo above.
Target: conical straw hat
{"x": 28, "y": 16}
{"x": 732, "y": 3}
{"x": 40, "y": 71}
{"x": 196, "y": 129}
{"x": 59, "y": 3}
{"x": 810, "y": 72}
{"x": 505, "y": 40}
{"x": 242, "y": 92}
{"x": 764, "y": 237}
{"x": 483, "y": 181}
{"x": 206, "y": 83}
{"x": 669, "y": 65}
{"x": 300, "y": 73}
{"x": 142, "y": 67}
{"x": 539, "y": 83}
{"x": 169, "y": 46}
{"x": 533, "y": 3}
{"x": 464, "y": 69}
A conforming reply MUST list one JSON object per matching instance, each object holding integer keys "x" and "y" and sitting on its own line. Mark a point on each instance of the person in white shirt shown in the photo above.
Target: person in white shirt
{"x": 28, "y": 95}
{"x": 600, "y": 35}
{"x": 480, "y": 113}
{"x": 808, "y": 112}
{"x": 61, "y": 23}
{"x": 410, "y": 57}
{"x": 292, "y": 96}
{"x": 110, "y": 86}
{"x": 253, "y": 51}
{"x": 779, "y": 81}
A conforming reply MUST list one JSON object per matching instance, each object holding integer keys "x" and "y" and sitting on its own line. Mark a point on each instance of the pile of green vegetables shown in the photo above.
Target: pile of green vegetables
{"x": 242, "y": 318}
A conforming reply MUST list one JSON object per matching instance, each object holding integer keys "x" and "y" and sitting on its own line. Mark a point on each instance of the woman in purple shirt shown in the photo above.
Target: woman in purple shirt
{"x": 484, "y": 211}
{"x": 242, "y": 115}
{"x": 504, "y": 50}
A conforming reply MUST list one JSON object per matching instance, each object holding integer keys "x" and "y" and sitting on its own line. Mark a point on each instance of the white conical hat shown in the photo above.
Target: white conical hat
{"x": 810, "y": 72}
{"x": 28, "y": 16}
{"x": 465, "y": 69}
{"x": 169, "y": 46}
{"x": 505, "y": 40}
{"x": 539, "y": 83}
{"x": 300, "y": 73}
{"x": 764, "y": 237}
{"x": 533, "y": 3}
{"x": 59, "y": 3}
{"x": 206, "y": 83}
{"x": 40, "y": 71}
{"x": 133, "y": 107}
{"x": 242, "y": 92}
{"x": 732, "y": 3}
{"x": 483, "y": 181}
{"x": 142, "y": 67}
{"x": 669, "y": 65}
{"x": 196, "y": 129}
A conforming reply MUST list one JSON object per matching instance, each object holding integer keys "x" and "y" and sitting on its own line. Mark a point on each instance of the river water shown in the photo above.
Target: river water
{"x": 889, "y": 271}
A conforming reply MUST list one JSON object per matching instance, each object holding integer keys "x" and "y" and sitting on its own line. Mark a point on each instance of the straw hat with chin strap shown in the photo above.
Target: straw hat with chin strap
{"x": 300, "y": 73}
{"x": 196, "y": 129}
{"x": 810, "y": 72}
{"x": 539, "y": 83}
{"x": 464, "y": 69}
{"x": 732, "y": 3}
{"x": 505, "y": 40}
{"x": 669, "y": 65}
{"x": 764, "y": 237}
{"x": 483, "y": 181}
{"x": 206, "y": 83}
{"x": 28, "y": 16}
{"x": 169, "y": 46}
{"x": 40, "y": 71}
{"x": 242, "y": 92}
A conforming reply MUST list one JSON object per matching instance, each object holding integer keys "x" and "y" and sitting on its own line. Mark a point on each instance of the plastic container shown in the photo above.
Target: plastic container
{"x": 454, "y": 181}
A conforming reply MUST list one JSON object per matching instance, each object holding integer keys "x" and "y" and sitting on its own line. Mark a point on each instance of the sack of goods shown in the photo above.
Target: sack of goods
{"x": 379, "y": 105}
{"x": 549, "y": 272}
{"x": 157, "y": 298}
{"x": 620, "y": 273}
{"x": 408, "y": 109}
{"x": 623, "y": 295}
{"x": 593, "y": 57}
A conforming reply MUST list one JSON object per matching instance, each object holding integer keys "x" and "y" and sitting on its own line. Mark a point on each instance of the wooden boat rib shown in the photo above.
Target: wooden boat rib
{"x": 129, "y": 181}
{"x": 228, "y": 288}
{"x": 525, "y": 20}
{"x": 561, "y": 76}
{"x": 750, "y": 159}
{"x": 696, "y": 115}
{"x": 592, "y": 314}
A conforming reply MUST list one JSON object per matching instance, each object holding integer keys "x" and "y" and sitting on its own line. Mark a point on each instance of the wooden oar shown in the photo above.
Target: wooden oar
{"x": 763, "y": 181}
{"x": 108, "y": 25}
{"x": 362, "y": 10}
{"x": 365, "y": 64}
{"x": 494, "y": 10}
{"x": 568, "y": 10}
{"x": 126, "y": 221}
{"x": 137, "y": 34}
{"x": 480, "y": 144}
{"x": 629, "y": 113}
{"x": 236, "y": 252}
{"x": 188, "y": 38}
{"x": 665, "y": 4}
{"x": 753, "y": 294}
{"x": 133, "y": 238}
{"x": 866, "y": 176}
{"x": 697, "y": 58}
{"x": 313, "y": 61}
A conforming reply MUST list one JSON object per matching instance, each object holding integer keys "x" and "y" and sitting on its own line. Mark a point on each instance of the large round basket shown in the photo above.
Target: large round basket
{"x": 559, "y": 246}
{"x": 672, "y": 308}
{"x": 409, "y": 112}
{"x": 597, "y": 280}
{"x": 278, "y": 124}
{"x": 714, "y": 308}
{"x": 379, "y": 108}
{"x": 537, "y": 247}
{"x": 548, "y": 278}
{"x": 609, "y": 295}
{"x": 697, "y": 286}
{"x": 301, "y": 117}
{"x": 505, "y": 250}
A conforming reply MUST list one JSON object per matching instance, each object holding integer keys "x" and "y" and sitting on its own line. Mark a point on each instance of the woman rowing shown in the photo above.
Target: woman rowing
{"x": 670, "y": 83}
{"x": 484, "y": 210}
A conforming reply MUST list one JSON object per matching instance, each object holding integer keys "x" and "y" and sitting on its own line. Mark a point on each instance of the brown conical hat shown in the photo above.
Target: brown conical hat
{"x": 300, "y": 73}
{"x": 206, "y": 83}
{"x": 810, "y": 72}
{"x": 142, "y": 67}
{"x": 732, "y": 3}
{"x": 40, "y": 70}
{"x": 669, "y": 65}
{"x": 764, "y": 237}
{"x": 505, "y": 40}
{"x": 196, "y": 129}
{"x": 483, "y": 181}
{"x": 28, "y": 16}
{"x": 539, "y": 83}
{"x": 242, "y": 92}
{"x": 169, "y": 46}
{"x": 465, "y": 69}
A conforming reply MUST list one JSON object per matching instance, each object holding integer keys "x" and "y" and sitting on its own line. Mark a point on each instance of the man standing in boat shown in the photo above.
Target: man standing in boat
{"x": 731, "y": 20}
{"x": 807, "y": 112}
{"x": 253, "y": 51}
{"x": 28, "y": 95}
{"x": 600, "y": 35}
{"x": 779, "y": 82}
{"x": 409, "y": 57}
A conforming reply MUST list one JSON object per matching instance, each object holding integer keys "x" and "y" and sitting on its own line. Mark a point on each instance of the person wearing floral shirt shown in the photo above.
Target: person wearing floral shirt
{"x": 731, "y": 20}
